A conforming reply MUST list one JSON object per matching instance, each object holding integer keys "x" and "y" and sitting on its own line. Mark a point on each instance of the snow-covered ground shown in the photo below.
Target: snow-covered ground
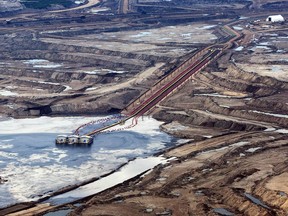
{"x": 42, "y": 63}
{"x": 193, "y": 33}
{"x": 33, "y": 165}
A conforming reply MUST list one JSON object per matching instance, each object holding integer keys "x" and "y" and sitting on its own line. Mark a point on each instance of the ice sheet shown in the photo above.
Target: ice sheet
{"x": 34, "y": 166}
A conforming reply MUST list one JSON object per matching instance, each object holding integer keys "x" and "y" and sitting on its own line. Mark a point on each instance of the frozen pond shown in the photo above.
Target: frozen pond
{"x": 33, "y": 165}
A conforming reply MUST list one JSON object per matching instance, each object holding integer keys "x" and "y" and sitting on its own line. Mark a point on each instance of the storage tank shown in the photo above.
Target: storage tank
{"x": 73, "y": 139}
{"x": 61, "y": 139}
{"x": 86, "y": 140}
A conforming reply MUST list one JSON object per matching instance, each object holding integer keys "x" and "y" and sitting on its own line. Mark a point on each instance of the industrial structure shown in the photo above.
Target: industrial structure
{"x": 73, "y": 140}
{"x": 149, "y": 99}
{"x": 275, "y": 18}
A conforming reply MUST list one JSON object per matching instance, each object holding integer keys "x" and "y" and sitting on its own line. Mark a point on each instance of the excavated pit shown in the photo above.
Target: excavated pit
{"x": 232, "y": 115}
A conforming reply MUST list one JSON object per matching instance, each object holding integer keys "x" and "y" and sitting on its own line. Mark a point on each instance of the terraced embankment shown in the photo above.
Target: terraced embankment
{"x": 235, "y": 162}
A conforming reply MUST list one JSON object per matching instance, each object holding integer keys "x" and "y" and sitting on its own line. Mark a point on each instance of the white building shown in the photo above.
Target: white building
{"x": 80, "y": 2}
{"x": 275, "y": 18}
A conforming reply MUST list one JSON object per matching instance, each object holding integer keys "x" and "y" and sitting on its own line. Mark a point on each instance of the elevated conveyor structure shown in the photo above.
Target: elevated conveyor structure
{"x": 165, "y": 86}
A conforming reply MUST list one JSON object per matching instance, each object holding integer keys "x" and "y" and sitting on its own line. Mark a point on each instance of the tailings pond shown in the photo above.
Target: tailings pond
{"x": 32, "y": 166}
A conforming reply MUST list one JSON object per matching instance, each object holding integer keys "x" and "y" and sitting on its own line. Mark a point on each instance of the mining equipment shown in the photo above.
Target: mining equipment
{"x": 73, "y": 140}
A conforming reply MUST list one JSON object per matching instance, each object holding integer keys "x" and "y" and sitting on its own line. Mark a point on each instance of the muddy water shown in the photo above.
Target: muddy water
{"x": 256, "y": 201}
{"x": 222, "y": 211}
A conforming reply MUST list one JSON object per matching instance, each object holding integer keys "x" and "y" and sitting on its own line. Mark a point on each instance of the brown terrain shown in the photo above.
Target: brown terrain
{"x": 233, "y": 114}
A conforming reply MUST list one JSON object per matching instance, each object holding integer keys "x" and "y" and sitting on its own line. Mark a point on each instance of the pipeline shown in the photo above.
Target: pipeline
{"x": 103, "y": 120}
{"x": 133, "y": 124}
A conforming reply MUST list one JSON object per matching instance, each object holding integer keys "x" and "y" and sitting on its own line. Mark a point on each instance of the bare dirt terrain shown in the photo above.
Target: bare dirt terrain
{"x": 233, "y": 114}
{"x": 235, "y": 174}
{"x": 240, "y": 166}
{"x": 74, "y": 62}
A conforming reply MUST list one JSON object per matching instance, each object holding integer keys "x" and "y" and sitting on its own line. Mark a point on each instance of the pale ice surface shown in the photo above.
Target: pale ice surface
{"x": 34, "y": 165}
{"x": 42, "y": 125}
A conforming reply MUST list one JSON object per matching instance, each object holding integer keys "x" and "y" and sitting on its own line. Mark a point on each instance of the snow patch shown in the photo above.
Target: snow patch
{"x": 141, "y": 34}
{"x": 67, "y": 88}
{"x": 284, "y": 131}
{"x": 91, "y": 89}
{"x": 269, "y": 129}
{"x": 237, "y": 28}
{"x": 214, "y": 95}
{"x": 42, "y": 63}
{"x": 269, "y": 114}
{"x": 207, "y": 27}
{"x": 7, "y": 93}
{"x": 240, "y": 48}
{"x": 251, "y": 150}
{"x": 243, "y": 17}
{"x": 225, "y": 106}
{"x": 108, "y": 71}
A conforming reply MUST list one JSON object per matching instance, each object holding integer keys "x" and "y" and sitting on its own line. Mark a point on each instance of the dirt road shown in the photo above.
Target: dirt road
{"x": 89, "y": 4}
